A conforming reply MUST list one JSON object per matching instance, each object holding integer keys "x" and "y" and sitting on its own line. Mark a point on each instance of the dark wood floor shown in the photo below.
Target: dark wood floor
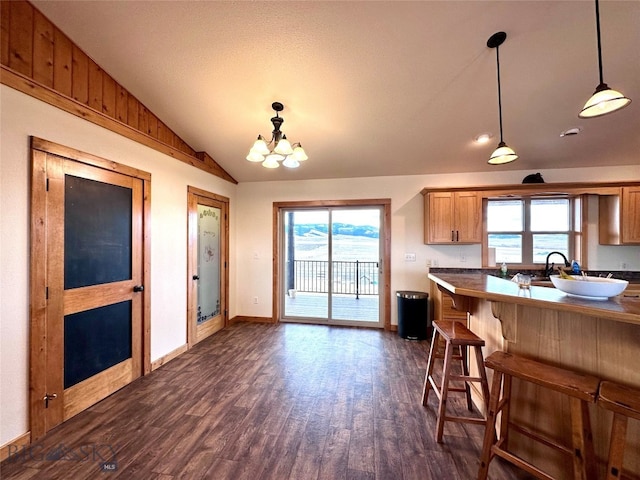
{"x": 258, "y": 401}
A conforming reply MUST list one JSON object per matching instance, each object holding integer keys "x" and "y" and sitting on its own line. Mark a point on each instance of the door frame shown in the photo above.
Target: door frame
{"x": 40, "y": 148}
{"x": 192, "y": 265}
{"x": 385, "y": 277}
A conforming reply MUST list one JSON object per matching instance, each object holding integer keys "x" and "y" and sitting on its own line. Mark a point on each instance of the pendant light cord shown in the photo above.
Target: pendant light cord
{"x": 499, "y": 91}
{"x": 599, "y": 43}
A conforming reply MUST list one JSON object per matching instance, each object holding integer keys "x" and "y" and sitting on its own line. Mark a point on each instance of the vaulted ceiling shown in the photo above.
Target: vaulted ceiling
{"x": 372, "y": 88}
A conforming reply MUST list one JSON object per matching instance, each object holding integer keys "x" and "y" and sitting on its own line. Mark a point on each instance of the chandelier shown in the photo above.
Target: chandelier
{"x": 278, "y": 149}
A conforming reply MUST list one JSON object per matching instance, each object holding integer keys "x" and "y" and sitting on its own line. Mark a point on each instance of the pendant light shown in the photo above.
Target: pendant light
{"x": 604, "y": 100}
{"x": 502, "y": 154}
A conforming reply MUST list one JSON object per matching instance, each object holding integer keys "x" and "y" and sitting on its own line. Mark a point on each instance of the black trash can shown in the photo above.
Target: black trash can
{"x": 414, "y": 321}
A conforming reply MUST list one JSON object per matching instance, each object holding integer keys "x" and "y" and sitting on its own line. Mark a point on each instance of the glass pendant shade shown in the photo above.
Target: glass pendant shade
{"x": 260, "y": 146}
{"x": 271, "y": 161}
{"x": 604, "y": 100}
{"x": 255, "y": 156}
{"x": 283, "y": 147}
{"x": 291, "y": 162}
{"x": 299, "y": 154}
{"x": 502, "y": 154}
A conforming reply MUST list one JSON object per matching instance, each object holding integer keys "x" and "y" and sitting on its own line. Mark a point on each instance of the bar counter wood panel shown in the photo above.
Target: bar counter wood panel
{"x": 597, "y": 337}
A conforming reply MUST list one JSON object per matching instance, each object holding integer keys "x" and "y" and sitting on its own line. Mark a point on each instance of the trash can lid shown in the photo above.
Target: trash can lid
{"x": 412, "y": 295}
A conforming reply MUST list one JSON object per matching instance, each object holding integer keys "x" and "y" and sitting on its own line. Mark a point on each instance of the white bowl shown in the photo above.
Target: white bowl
{"x": 593, "y": 287}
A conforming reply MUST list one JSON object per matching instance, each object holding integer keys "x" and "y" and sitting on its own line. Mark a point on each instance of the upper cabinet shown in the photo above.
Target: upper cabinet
{"x": 453, "y": 217}
{"x": 620, "y": 217}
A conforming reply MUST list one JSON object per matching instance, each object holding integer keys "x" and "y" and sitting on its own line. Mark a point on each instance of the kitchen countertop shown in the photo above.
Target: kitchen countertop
{"x": 623, "y": 308}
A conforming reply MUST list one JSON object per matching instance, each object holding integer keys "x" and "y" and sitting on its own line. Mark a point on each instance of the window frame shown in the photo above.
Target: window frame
{"x": 576, "y": 230}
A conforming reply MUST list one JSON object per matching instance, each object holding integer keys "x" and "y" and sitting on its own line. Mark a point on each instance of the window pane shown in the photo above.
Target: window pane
{"x": 505, "y": 216}
{"x": 550, "y": 215}
{"x": 508, "y": 247}
{"x": 545, "y": 244}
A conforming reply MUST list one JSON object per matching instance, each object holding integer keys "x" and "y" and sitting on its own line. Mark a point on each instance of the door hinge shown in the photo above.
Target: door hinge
{"x": 47, "y": 397}
{"x": 46, "y": 293}
{"x": 225, "y": 264}
{"x": 47, "y": 184}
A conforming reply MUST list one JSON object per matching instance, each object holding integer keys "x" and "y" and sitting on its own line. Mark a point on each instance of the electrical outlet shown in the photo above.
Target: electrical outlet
{"x": 428, "y": 262}
{"x": 463, "y": 258}
{"x": 409, "y": 257}
{"x": 255, "y": 300}
{"x": 434, "y": 263}
{"x": 624, "y": 265}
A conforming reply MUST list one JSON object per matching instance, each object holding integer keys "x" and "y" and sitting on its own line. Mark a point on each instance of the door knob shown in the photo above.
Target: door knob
{"x": 196, "y": 277}
{"x": 138, "y": 288}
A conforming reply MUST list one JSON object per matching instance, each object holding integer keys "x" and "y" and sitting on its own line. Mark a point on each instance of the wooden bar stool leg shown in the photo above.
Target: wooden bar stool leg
{"x": 432, "y": 356}
{"x": 464, "y": 355}
{"x": 506, "y": 410}
{"x": 490, "y": 431}
{"x": 616, "y": 449}
{"x": 444, "y": 391}
{"x": 583, "y": 456}
{"x": 484, "y": 384}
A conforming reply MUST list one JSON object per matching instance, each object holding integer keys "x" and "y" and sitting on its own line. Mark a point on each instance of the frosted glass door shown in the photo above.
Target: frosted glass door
{"x": 208, "y": 263}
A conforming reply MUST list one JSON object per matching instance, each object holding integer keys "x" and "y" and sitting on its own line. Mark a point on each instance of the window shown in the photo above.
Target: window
{"x": 524, "y": 231}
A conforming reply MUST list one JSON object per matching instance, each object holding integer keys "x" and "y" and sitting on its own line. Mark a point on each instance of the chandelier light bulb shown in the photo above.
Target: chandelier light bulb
{"x": 260, "y": 146}
{"x": 299, "y": 154}
{"x": 255, "y": 156}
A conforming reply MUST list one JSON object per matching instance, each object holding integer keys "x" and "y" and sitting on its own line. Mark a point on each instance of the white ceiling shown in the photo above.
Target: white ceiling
{"x": 372, "y": 88}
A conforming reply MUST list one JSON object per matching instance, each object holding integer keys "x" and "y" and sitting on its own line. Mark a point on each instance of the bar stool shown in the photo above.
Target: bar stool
{"x": 581, "y": 389}
{"x": 456, "y": 336}
{"x": 624, "y": 402}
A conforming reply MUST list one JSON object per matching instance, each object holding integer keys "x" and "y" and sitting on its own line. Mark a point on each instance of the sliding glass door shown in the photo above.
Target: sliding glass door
{"x": 331, "y": 264}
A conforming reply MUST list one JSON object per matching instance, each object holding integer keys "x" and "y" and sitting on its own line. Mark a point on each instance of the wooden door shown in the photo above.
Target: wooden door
{"x": 630, "y": 215}
{"x": 87, "y": 339}
{"x": 207, "y": 264}
{"x": 468, "y": 217}
{"x": 440, "y": 223}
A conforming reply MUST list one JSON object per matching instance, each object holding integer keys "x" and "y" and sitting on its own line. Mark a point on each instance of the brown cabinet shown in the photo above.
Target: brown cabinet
{"x": 620, "y": 217}
{"x": 453, "y": 217}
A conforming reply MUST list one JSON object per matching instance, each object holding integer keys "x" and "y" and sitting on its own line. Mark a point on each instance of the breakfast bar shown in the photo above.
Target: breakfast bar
{"x": 598, "y": 337}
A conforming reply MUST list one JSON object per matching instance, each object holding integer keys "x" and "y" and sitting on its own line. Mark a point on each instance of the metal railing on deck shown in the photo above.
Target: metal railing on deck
{"x": 355, "y": 278}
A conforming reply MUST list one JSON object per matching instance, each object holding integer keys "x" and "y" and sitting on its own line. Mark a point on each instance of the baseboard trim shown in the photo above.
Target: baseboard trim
{"x": 168, "y": 357}
{"x": 243, "y": 318}
{"x": 21, "y": 441}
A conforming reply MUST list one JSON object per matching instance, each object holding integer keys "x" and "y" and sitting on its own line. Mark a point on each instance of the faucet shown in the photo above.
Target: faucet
{"x": 549, "y": 270}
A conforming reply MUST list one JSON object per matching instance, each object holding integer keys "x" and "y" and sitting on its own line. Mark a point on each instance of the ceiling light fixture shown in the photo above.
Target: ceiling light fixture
{"x": 502, "y": 154}
{"x": 283, "y": 151}
{"x": 483, "y": 138}
{"x": 604, "y": 100}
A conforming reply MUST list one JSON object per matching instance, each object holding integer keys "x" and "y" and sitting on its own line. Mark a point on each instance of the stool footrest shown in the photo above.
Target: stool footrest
{"x": 476, "y": 420}
{"x": 523, "y": 464}
{"x": 549, "y": 442}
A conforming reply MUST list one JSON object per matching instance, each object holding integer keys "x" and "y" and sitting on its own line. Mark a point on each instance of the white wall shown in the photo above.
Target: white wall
{"x": 254, "y": 226}
{"x": 23, "y": 116}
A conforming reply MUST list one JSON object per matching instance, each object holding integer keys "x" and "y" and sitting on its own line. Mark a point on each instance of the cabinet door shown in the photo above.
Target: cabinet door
{"x": 467, "y": 217}
{"x": 630, "y": 219}
{"x": 439, "y": 222}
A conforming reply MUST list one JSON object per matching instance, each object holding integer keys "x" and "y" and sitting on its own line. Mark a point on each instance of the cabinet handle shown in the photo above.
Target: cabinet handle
{"x": 457, "y": 236}
{"x": 138, "y": 288}
{"x": 452, "y": 235}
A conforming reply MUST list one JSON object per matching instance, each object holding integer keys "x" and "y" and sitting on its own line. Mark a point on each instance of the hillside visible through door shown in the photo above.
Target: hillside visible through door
{"x": 331, "y": 265}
